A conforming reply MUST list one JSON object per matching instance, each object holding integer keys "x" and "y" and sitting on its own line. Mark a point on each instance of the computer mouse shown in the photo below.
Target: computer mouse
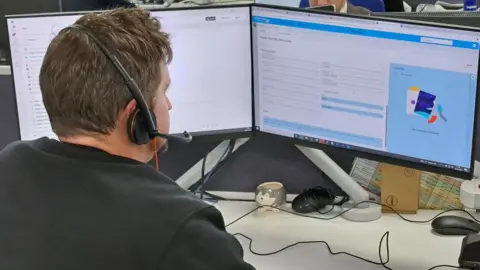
{"x": 455, "y": 225}
{"x": 310, "y": 201}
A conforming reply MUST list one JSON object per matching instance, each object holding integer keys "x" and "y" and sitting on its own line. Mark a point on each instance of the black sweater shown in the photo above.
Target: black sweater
{"x": 69, "y": 207}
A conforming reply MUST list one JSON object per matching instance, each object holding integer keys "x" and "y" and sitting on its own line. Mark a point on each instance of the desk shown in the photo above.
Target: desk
{"x": 412, "y": 246}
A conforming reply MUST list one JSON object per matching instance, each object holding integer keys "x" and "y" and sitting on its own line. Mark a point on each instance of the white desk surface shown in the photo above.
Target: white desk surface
{"x": 412, "y": 246}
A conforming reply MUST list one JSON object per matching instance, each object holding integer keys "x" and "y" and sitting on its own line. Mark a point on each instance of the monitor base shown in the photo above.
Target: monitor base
{"x": 362, "y": 212}
{"x": 470, "y": 194}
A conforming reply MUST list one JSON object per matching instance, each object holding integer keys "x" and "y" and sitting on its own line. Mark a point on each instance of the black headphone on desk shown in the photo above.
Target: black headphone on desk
{"x": 142, "y": 123}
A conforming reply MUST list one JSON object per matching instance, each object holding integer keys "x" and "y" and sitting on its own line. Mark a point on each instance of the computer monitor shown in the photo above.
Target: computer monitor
{"x": 399, "y": 92}
{"x": 464, "y": 18}
{"x": 8, "y": 7}
{"x": 211, "y": 88}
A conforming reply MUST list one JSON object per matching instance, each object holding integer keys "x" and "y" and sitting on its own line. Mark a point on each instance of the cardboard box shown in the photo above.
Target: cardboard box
{"x": 400, "y": 188}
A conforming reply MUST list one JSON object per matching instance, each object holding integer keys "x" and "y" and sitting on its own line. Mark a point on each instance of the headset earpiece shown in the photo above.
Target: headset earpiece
{"x": 136, "y": 127}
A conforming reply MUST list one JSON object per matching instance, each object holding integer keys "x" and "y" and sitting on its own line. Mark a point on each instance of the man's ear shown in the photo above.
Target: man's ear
{"x": 129, "y": 109}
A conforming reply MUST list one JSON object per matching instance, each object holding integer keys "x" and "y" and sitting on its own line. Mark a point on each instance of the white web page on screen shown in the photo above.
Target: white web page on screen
{"x": 398, "y": 89}
{"x": 210, "y": 72}
{"x": 211, "y": 69}
{"x": 29, "y": 39}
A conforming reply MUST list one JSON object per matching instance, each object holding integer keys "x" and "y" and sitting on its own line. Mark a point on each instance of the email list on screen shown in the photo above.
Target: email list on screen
{"x": 372, "y": 86}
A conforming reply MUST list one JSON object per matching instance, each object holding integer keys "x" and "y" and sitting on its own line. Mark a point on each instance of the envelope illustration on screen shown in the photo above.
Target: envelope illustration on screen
{"x": 424, "y": 104}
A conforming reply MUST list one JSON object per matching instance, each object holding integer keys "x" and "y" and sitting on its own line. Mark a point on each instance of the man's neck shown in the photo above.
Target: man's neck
{"x": 111, "y": 145}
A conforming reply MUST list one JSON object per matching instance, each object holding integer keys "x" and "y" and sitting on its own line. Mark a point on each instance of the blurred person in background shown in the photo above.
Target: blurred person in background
{"x": 342, "y": 6}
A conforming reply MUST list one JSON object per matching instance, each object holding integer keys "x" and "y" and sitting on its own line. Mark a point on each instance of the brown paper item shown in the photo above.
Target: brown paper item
{"x": 400, "y": 188}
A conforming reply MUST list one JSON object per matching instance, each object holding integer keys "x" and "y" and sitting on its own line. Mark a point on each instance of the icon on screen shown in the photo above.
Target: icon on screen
{"x": 424, "y": 104}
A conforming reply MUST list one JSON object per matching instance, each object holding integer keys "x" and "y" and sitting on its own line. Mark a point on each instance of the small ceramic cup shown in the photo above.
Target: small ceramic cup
{"x": 270, "y": 196}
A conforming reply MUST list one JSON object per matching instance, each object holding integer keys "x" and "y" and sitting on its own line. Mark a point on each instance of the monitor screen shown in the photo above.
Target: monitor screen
{"x": 398, "y": 92}
{"x": 211, "y": 90}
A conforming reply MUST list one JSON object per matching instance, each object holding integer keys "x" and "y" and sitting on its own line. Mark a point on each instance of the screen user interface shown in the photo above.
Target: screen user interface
{"x": 399, "y": 90}
{"x": 209, "y": 93}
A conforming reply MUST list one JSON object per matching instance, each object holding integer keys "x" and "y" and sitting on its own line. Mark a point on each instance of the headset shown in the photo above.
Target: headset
{"x": 142, "y": 123}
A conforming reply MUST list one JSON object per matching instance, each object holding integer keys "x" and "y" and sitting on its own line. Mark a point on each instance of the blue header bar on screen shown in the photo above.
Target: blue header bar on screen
{"x": 367, "y": 32}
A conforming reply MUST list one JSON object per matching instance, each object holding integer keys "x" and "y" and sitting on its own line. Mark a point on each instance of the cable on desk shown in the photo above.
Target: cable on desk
{"x": 384, "y": 205}
{"x": 385, "y": 238}
{"x": 429, "y": 220}
{"x": 383, "y": 263}
{"x": 386, "y": 235}
{"x": 243, "y": 216}
{"x": 353, "y": 208}
{"x": 444, "y": 266}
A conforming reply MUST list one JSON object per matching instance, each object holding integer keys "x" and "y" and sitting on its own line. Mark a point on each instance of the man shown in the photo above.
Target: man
{"x": 342, "y": 6}
{"x": 89, "y": 201}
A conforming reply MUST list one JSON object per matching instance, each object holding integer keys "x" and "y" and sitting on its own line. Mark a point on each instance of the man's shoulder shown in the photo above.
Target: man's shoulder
{"x": 201, "y": 228}
{"x": 17, "y": 144}
{"x": 15, "y": 149}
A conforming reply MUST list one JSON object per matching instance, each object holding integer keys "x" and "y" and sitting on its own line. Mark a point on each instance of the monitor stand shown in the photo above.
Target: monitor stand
{"x": 191, "y": 176}
{"x": 362, "y": 212}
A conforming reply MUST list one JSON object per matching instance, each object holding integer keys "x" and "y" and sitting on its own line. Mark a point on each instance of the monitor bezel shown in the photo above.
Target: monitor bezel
{"x": 377, "y": 156}
{"x": 201, "y": 136}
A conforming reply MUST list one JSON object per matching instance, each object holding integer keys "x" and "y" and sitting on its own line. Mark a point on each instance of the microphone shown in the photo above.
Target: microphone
{"x": 184, "y": 138}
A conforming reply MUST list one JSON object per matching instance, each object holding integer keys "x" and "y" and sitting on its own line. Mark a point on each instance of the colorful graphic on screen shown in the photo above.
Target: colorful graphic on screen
{"x": 424, "y": 104}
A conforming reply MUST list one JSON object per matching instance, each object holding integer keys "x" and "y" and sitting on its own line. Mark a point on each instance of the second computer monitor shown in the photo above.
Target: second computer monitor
{"x": 398, "y": 92}
{"x": 211, "y": 89}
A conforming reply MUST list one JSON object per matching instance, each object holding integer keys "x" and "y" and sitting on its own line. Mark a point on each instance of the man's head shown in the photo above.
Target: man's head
{"x": 85, "y": 96}
{"x": 337, "y": 3}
